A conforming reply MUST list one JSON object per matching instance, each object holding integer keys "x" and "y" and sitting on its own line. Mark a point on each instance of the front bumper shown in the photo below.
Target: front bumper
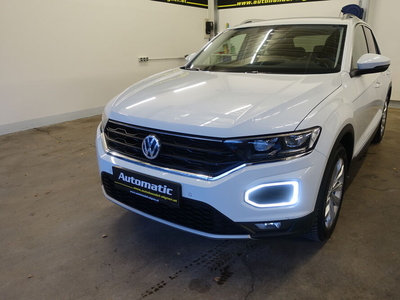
{"x": 217, "y": 209}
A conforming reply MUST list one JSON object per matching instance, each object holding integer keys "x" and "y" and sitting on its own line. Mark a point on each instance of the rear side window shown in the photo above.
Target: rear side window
{"x": 364, "y": 42}
{"x": 372, "y": 45}
{"x": 360, "y": 46}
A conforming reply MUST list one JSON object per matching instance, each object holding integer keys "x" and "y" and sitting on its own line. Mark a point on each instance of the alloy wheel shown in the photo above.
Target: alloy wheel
{"x": 335, "y": 193}
{"x": 384, "y": 118}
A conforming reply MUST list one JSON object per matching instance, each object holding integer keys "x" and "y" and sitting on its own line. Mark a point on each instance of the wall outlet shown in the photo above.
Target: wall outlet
{"x": 143, "y": 58}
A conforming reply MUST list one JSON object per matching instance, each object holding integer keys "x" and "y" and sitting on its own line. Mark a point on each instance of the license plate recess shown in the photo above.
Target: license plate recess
{"x": 149, "y": 187}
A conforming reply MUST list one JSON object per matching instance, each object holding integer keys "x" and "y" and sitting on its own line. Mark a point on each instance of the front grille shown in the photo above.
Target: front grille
{"x": 192, "y": 214}
{"x": 205, "y": 156}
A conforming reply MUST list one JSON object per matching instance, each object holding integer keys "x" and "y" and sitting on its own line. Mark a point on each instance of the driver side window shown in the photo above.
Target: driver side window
{"x": 360, "y": 46}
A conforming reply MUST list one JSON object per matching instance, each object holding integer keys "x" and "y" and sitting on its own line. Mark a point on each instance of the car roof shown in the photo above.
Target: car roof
{"x": 345, "y": 20}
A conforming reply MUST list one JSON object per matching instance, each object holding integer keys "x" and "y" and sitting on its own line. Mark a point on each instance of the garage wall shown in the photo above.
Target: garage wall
{"x": 383, "y": 17}
{"x": 329, "y": 8}
{"x": 61, "y": 60}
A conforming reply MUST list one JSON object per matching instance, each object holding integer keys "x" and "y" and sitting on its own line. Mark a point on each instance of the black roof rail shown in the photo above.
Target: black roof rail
{"x": 252, "y": 21}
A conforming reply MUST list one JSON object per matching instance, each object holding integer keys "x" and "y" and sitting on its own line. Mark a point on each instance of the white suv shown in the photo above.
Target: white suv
{"x": 253, "y": 137}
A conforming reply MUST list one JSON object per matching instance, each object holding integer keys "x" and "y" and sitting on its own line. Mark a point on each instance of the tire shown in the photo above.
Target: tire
{"x": 330, "y": 196}
{"x": 380, "y": 131}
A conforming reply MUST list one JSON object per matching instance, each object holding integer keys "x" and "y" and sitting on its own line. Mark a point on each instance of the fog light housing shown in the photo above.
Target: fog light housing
{"x": 273, "y": 194}
{"x": 269, "y": 225}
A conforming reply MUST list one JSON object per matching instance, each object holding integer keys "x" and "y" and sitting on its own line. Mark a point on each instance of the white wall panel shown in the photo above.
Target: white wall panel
{"x": 60, "y": 60}
{"x": 68, "y": 58}
{"x": 383, "y": 17}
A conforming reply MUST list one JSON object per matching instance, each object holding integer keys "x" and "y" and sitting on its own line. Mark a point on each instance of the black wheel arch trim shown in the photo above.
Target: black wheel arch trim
{"x": 389, "y": 94}
{"x": 345, "y": 134}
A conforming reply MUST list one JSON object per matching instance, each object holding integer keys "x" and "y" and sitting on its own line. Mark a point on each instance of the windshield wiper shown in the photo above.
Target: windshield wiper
{"x": 209, "y": 68}
{"x": 191, "y": 69}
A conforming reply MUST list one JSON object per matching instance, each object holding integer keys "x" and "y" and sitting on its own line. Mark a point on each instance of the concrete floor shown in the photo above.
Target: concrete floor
{"x": 61, "y": 239}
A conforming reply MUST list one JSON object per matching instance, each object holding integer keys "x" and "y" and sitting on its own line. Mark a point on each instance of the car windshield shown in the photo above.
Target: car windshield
{"x": 283, "y": 49}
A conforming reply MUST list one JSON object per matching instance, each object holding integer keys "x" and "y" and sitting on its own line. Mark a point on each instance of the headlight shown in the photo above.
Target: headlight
{"x": 276, "y": 147}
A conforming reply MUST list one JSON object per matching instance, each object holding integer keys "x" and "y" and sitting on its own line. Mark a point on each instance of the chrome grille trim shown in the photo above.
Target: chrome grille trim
{"x": 189, "y": 155}
{"x": 168, "y": 170}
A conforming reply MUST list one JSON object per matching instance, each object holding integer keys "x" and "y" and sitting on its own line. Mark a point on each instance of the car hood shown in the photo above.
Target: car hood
{"x": 222, "y": 104}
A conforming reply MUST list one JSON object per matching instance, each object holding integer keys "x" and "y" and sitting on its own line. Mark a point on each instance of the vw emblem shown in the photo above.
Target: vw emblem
{"x": 151, "y": 146}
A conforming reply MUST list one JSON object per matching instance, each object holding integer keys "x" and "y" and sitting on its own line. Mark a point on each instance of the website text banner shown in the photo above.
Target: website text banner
{"x": 196, "y": 3}
{"x": 222, "y": 4}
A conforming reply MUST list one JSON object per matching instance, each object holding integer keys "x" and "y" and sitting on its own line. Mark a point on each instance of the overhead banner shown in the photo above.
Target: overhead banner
{"x": 233, "y": 3}
{"x": 196, "y": 3}
{"x": 236, "y": 4}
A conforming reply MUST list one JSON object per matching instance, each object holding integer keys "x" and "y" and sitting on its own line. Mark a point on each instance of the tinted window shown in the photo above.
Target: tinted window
{"x": 372, "y": 46}
{"x": 360, "y": 45}
{"x": 283, "y": 49}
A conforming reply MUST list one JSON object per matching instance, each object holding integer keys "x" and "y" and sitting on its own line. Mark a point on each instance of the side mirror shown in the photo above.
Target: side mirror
{"x": 190, "y": 56}
{"x": 371, "y": 63}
